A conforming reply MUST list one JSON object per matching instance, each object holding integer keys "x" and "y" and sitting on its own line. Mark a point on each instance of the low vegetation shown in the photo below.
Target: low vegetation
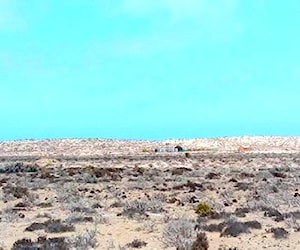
{"x": 151, "y": 200}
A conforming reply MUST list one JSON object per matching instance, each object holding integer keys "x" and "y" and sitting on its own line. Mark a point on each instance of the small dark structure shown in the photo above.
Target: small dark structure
{"x": 179, "y": 148}
{"x": 169, "y": 149}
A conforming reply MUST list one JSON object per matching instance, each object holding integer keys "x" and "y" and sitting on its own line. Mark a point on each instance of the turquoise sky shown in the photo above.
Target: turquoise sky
{"x": 149, "y": 69}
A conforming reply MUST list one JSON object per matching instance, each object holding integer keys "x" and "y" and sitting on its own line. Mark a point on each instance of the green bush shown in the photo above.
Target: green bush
{"x": 204, "y": 209}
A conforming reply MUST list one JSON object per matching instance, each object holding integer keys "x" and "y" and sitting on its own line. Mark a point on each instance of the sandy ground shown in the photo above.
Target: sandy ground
{"x": 127, "y": 196}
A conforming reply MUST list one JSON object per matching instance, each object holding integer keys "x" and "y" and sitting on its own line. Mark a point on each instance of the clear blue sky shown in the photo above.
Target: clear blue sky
{"x": 149, "y": 69}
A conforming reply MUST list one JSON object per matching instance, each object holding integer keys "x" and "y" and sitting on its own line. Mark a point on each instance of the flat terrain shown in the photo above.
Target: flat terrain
{"x": 234, "y": 193}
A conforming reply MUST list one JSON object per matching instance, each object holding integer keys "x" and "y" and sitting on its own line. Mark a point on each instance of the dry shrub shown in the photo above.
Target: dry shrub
{"x": 51, "y": 226}
{"x": 138, "y": 208}
{"x": 201, "y": 243}
{"x": 16, "y": 191}
{"x": 279, "y": 233}
{"x": 213, "y": 175}
{"x": 135, "y": 209}
{"x": 234, "y": 228}
{"x": 86, "y": 240}
{"x": 179, "y": 233}
{"x": 9, "y": 214}
{"x": 72, "y": 200}
{"x": 19, "y": 167}
{"x": 136, "y": 244}
{"x": 42, "y": 243}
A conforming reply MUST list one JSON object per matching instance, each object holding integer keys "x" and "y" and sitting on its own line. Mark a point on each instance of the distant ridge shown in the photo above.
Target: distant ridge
{"x": 86, "y": 147}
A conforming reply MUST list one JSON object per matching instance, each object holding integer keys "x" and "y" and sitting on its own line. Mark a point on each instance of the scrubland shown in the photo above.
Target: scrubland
{"x": 223, "y": 193}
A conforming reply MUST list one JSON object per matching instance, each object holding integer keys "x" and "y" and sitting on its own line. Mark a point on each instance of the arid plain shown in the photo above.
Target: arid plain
{"x": 220, "y": 193}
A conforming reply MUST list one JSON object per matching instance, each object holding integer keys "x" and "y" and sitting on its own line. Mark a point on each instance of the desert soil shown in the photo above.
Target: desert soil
{"x": 120, "y": 194}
